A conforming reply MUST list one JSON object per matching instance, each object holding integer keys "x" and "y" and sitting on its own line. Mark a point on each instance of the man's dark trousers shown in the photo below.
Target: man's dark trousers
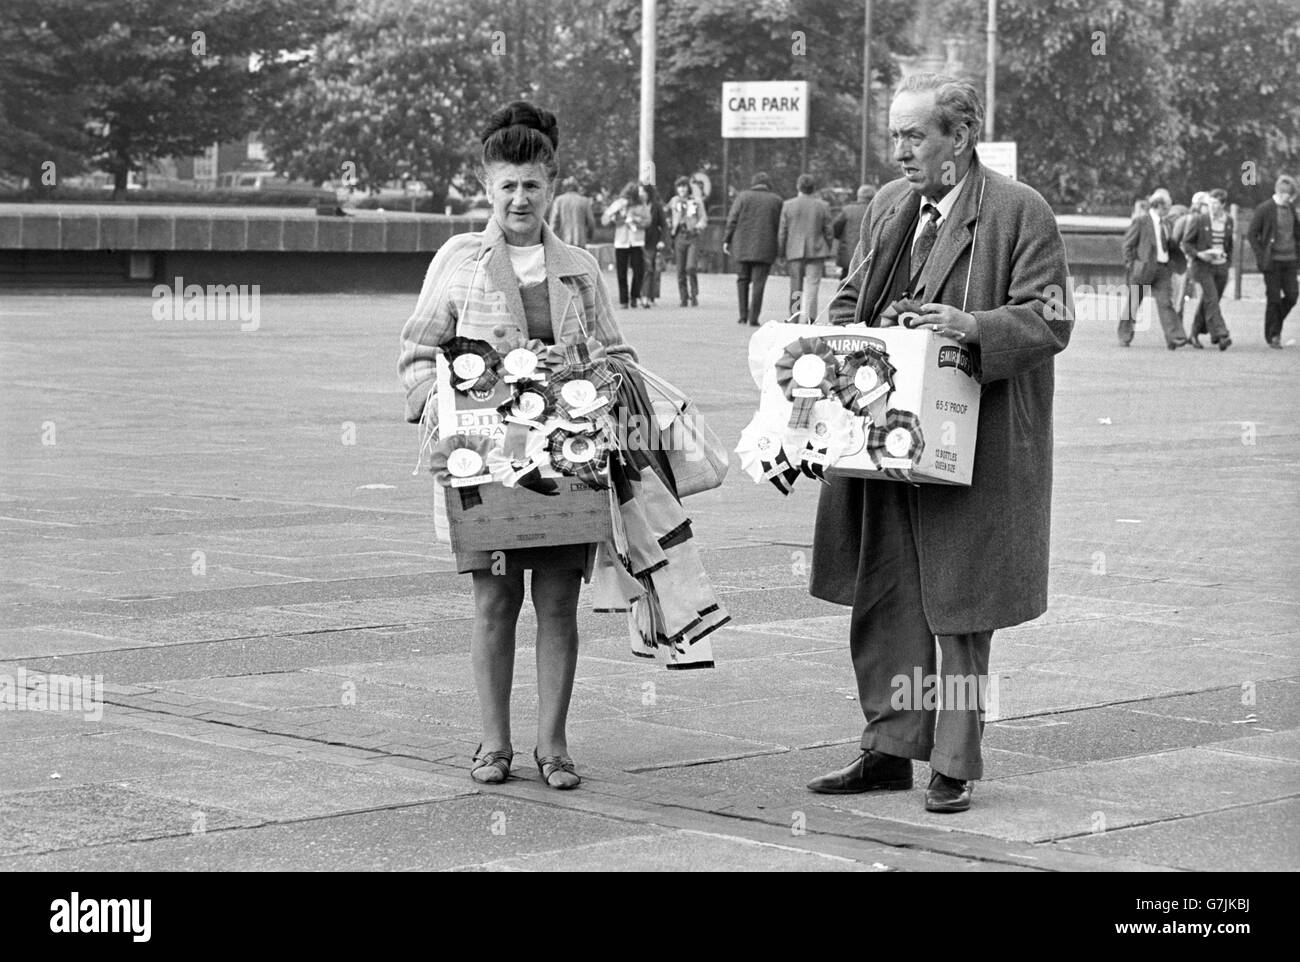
{"x": 889, "y": 639}
{"x": 1171, "y": 321}
{"x": 1280, "y": 294}
{"x": 1213, "y": 280}
{"x": 751, "y": 278}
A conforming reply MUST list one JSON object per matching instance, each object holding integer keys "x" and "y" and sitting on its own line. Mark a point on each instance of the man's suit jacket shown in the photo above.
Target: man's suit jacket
{"x": 983, "y": 549}
{"x": 1140, "y": 250}
{"x": 572, "y": 218}
{"x": 752, "y": 225}
{"x": 805, "y": 228}
{"x": 1263, "y": 228}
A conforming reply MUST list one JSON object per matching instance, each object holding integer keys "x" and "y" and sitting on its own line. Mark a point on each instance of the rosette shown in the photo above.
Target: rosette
{"x": 530, "y": 405}
{"x": 865, "y": 381}
{"x": 582, "y": 381}
{"x": 762, "y": 455}
{"x": 896, "y": 444}
{"x": 524, "y": 363}
{"x": 581, "y": 454}
{"x": 523, "y": 472}
{"x": 819, "y": 446}
{"x": 460, "y": 461}
{"x": 806, "y": 373}
{"x": 473, "y": 364}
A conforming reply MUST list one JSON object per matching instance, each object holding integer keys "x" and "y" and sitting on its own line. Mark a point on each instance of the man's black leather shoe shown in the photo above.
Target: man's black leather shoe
{"x": 870, "y": 772}
{"x": 947, "y": 794}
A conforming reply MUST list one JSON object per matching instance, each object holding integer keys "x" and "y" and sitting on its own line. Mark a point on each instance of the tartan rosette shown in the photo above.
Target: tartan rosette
{"x": 531, "y": 400}
{"x": 531, "y": 405}
{"x": 474, "y": 364}
{"x": 581, "y": 454}
{"x": 806, "y": 374}
{"x": 460, "y": 461}
{"x": 896, "y": 444}
{"x": 582, "y": 381}
{"x": 865, "y": 379}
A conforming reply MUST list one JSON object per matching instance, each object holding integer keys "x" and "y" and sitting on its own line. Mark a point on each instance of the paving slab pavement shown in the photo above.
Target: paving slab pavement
{"x": 226, "y": 528}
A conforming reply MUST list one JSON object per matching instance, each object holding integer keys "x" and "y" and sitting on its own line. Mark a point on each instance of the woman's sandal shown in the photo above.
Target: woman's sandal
{"x": 553, "y": 765}
{"x": 492, "y": 762}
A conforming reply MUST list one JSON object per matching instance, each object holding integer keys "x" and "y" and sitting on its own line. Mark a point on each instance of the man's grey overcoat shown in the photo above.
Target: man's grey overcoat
{"x": 984, "y": 549}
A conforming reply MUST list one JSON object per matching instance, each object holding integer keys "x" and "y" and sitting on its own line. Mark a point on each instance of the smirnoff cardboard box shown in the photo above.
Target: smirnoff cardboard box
{"x": 927, "y": 429}
{"x": 512, "y": 517}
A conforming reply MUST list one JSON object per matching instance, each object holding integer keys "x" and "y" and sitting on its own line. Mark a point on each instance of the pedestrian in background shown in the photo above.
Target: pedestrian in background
{"x": 804, "y": 240}
{"x": 1206, "y": 238}
{"x": 571, "y": 217}
{"x": 655, "y": 232}
{"x": 630, "y": 218}
{"x": 1275, "y": 238}
{"x": 753, "y": 225}
{"x": 847, "y": 226}
{"x": 1152, "y": 258}
{"x": 1179, "y": 287}
{"x": 688, "y": 219}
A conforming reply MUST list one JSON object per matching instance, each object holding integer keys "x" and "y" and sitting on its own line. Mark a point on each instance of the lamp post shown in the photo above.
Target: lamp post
{"x": 866, "y": 88}
{"x": 646, "y": 165}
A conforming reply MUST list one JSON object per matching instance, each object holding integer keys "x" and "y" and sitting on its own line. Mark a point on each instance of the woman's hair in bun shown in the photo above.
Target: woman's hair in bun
{"x": 521, "y": 133}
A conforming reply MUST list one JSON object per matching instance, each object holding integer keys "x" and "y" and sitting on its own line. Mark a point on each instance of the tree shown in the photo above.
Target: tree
{"x": 159, "y": 78}
{"x": 40, "y": 109}
{"x": 400, "y": 90}
{"x": 1085, "y": 90}
{"x": 1237, "y": 90}
{"x": 704, "y": 43}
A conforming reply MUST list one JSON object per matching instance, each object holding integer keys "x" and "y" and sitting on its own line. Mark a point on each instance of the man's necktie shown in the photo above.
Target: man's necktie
{"x": 925, "y": 243}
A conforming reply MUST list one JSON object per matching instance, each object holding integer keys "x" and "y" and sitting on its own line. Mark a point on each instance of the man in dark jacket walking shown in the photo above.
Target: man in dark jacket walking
{"x": 751, "y": 239}
{"x": 1275, "y": 238}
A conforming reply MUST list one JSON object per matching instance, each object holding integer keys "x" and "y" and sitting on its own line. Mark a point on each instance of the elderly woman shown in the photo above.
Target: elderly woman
{"x": 515, "y": 280}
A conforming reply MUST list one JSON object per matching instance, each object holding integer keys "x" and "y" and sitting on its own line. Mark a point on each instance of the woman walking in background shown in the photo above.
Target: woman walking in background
{"x": 630, "y": 218}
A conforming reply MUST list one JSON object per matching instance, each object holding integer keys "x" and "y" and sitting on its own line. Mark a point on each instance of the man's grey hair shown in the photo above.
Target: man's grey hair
{"x": 866, "y": 192}
{"x": 1160, "y": 196}
{"x": 958, "y": 102}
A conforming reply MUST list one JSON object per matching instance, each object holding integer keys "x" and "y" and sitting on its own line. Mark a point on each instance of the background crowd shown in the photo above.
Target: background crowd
{"x": 1180, "y": 255}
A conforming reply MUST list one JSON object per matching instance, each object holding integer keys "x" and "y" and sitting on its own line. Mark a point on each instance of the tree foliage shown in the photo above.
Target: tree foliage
{"x": 1086, "y": 94}
{"x": 1237, "y": 90}
{"x": 43, "y": 135}
{"x": 156, "y": 78}
{"x": 398, "y": 91}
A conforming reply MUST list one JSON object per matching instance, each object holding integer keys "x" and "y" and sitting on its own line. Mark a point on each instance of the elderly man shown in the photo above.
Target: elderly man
{"x": 847, "y": 227}
{"x": 980, "y": 260}
{"x": 1152, "y": 259}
